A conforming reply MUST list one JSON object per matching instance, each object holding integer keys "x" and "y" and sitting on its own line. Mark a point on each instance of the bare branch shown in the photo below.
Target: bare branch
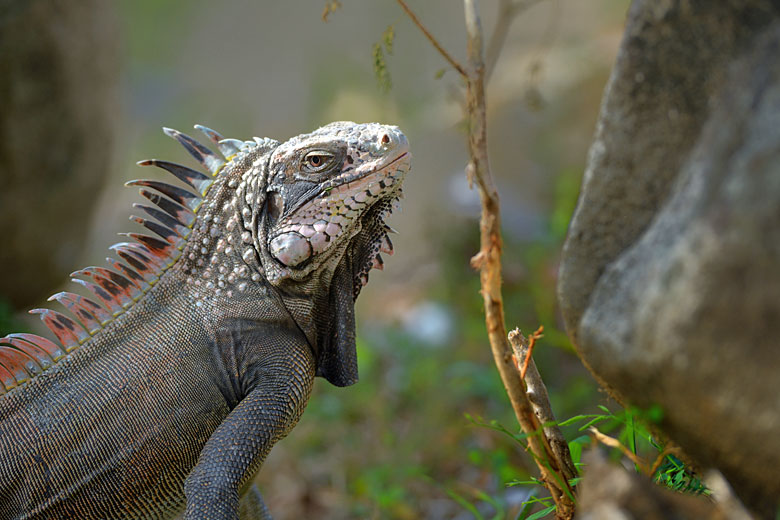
{"x": 537, "y": 394}
{"x": 457, "y": 66}
{"x": 614, "y": 443}
{"x": 529, "y": 349}
{"x": 554, "y": 473}
{"x": 488, "y": 261}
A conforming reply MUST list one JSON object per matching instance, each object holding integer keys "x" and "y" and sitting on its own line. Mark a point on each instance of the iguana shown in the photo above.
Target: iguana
{"x": 163, "y": 394}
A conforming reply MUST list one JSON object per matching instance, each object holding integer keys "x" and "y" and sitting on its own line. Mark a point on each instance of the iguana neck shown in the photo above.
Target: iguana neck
{"x": 224, "y": 260}
{"x": 220, "y": 260}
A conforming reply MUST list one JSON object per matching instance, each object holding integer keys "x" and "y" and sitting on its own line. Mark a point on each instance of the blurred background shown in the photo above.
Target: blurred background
{"x": 406, "y": 441}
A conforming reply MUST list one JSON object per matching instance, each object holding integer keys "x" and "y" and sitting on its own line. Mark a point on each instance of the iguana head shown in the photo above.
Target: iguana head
{"x": 327, "y": 195}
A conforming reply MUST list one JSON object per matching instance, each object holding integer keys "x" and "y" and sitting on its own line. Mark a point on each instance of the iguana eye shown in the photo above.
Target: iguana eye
{"x": 317, "y": 161}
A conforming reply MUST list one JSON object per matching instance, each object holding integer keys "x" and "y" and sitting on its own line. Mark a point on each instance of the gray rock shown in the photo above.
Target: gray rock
{"x": 670, "y": 276}
{"x": 610, "y": 492}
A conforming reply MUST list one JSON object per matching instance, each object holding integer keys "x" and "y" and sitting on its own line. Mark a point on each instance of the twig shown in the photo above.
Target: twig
{"x": 530, "y": 350}
{"x": 537, "y": 394}
{"x": 614, "y": 443}
{"x": 488, "y": 260}
{"x": 669, "y": 450}
{"x": 457, "y": 66}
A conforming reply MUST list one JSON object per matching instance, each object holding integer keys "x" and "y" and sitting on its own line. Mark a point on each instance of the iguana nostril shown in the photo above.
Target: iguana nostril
{"x": 385, "y": 139}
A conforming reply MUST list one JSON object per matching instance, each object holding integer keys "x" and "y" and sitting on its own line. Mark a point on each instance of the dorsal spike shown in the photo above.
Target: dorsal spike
{"x": 143, "y": 254}
{"x": 70, "y": 334}
{"x": 156, "y": 248}
{"x": 177, "y": 211}
{"x": 378, "y": 263}
{"x": 213, "y": 136}
{"x": 127, "y": 287}
{"x": 122, "y": 296}
{"x": 7, "y": 380}
{"x": 178, "y": 195}
{"x": 101, "y": 294}
{"x": 41, "y": 357}
{"x": 165, "y": 219}
{"x": 189, "y": 176}
{"x": 52, "y": 349}
{"x": 129, "y": 273}
{"x": 30, "y": 363}
{"x": 131, "y": 253}
{"x": 169, "y": 235}
{"x": 19, "y": 364}
{"x": 201, "y": 154}
{"x": 72, "y": 302}
{"x": 230, "y": 147}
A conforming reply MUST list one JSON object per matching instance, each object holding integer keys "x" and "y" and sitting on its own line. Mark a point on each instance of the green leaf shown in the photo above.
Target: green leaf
{"x": 592, "y": 422}
{"x": 532, "y": 482}
{"x": 523, "y": 514}
{"x": 542, "y": 513}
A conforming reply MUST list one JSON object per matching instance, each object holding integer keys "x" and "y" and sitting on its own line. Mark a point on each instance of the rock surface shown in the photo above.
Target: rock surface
{"x": 610, "y": 492}
{"x": 670, "y": 276}
{"x": 58, "y": 83}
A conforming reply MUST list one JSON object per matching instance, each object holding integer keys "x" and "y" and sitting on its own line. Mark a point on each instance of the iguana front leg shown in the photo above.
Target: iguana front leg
{"x": 237, "y": 448}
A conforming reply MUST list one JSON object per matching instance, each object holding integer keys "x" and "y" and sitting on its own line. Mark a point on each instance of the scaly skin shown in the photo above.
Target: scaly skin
{"x": 170, "y": 405}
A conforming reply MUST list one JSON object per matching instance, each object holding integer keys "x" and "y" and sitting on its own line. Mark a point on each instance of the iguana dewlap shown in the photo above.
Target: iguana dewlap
{"x": 165, "y": 390}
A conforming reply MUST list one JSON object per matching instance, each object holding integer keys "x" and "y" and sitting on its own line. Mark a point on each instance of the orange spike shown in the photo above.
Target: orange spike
{"x": 71, "y": 302}
{"x": 67, "y": 331}
{"x": 7, "y": 379}
{"x": 128, "y": 287}
{"x": 130, "y": 274}
{"x": 51, "y": 348}
{"x": 111, "y": 304}
{"x": 34, "y": 351}
{"x": 18, "y": 363}
{"x": 136, "y": 255}
{"x": 117, "y": 293}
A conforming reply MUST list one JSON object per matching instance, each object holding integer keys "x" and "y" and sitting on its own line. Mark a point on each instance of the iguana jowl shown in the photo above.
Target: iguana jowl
{"x": 166, "y": 391}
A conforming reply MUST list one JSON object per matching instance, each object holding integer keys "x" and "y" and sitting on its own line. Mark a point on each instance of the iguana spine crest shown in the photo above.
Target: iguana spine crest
{"x": 24, "y": 356}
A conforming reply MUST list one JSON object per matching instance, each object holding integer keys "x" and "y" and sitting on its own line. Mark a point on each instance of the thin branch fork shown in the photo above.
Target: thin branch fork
{"x": 555, "y": 473}
{"x": 488, "y": 261}
{"x": 537, "y": 394}
{"x": 457, "y": 66}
